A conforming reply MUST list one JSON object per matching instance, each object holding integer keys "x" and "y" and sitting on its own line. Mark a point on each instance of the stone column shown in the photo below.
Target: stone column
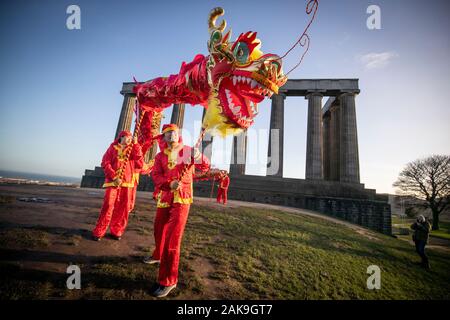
{"x": 126, "y": 114}
{"x": 326, "y": 145}
{"x": 349, "y": 158}
{"x": 207, "y": 141}
{"x": 314, "y": 137}
{"x": 239, "y": 154}
{"x": 276, "y": 137}
{"x": 178, "y": 114}
{"x": 334, "y": 142}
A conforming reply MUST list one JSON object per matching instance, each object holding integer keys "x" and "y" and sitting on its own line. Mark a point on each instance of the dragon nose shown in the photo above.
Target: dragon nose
{"x": 274, "y": 71}
{"x": 272, "y": 66}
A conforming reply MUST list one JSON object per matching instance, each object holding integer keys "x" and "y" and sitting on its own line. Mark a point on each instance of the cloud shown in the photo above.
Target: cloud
{"x": 374, "y": 60}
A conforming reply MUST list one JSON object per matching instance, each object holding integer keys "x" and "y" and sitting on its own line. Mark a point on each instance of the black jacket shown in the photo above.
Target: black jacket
{"x": 421, "y": 231}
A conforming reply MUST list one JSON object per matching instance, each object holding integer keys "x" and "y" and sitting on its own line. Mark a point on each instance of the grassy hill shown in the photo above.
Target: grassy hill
{"x": 278, "y": 255}
{"x": 228, "y": 253}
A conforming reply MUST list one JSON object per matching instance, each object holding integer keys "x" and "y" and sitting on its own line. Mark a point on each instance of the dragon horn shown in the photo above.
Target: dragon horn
{"x": 213, "y": 15}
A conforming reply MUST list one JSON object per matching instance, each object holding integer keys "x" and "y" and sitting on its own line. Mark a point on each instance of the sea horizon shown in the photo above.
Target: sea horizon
{"x": 42, "y": 177}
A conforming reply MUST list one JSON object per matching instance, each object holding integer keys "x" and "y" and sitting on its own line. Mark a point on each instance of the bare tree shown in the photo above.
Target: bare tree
{"x": 427, "y": 179}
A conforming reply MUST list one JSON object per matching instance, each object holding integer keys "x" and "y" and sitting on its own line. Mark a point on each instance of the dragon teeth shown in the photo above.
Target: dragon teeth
{"x": 254, "y": 108}
{"x": 227, "y": 93}
{"x": 229, "y": 99}
{"x": 236, "y": 110}
{"x": 243, "y": 79}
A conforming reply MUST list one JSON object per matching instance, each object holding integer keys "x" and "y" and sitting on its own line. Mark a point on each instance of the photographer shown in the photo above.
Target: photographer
{"x": 420, "y": 237}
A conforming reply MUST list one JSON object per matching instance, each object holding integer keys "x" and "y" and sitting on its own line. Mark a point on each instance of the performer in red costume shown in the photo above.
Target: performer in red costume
{"x": 222, "y": 191}
{"x": 119, "y": 188}
{"x": 174, "y": 195}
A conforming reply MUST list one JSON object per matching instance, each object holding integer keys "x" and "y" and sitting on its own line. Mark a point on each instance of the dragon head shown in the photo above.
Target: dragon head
{"x": 240, "y": 76}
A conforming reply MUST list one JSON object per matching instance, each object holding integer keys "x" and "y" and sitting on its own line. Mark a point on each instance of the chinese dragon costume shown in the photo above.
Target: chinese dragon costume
{"x": 229, "y": 83}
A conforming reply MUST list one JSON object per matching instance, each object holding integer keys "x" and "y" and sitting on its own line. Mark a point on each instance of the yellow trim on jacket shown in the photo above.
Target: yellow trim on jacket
{"x": 172, "y": 156}
{"x": 176, "y": 198}
{"x": 123, "y": 184}
{"x": 121, "y": 152}
{"x": 132, "y": 184}
{"x": 160, "y": 204}
{"x": 136, "y": 177}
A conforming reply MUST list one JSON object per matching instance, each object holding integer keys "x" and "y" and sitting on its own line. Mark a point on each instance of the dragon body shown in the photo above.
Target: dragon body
{"x": 229, "y": 83}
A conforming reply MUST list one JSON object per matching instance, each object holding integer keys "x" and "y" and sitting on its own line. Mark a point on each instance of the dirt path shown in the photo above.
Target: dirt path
{"x": 64, "y": 224}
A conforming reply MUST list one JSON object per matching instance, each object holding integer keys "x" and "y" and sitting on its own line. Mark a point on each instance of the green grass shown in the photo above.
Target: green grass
{"x": 251, "y": 254}
{"x": 443, "y": 232}
{"x": 6, "y": 199}
{"x": 272, "y": 254}
{"x": 23, "y": 237}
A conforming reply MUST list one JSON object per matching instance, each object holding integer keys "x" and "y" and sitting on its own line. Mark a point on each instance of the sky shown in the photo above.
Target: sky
{"x": 60, "y": 89}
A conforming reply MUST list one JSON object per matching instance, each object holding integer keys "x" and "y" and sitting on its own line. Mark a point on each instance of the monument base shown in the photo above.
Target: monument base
{"x": 347, "y": 201}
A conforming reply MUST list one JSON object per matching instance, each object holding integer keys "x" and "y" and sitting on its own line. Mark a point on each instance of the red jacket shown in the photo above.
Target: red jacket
{"x": 224, "y": 183}
{"x": 168, "y": 169}
{"x": 113, "y": 159}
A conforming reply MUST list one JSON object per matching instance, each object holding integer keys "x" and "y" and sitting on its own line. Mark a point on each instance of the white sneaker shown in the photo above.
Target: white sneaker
{"x": 163, "y": 291}
{"x": 150, "y": 260}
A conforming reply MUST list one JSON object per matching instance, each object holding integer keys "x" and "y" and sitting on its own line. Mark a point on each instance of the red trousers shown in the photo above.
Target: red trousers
{"x": 222, "y": 195}
{"x": 115, "y": 209}
{"x": 168, "y": 231}
{"x": 133, "y": 198}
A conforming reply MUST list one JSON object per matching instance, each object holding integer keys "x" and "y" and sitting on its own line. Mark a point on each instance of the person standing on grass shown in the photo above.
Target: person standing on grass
{"x": 222, "y": 190}
{"x": 119, "y": 187}
{"x": 174, "y": 195}
{"x": 420, "y": 237}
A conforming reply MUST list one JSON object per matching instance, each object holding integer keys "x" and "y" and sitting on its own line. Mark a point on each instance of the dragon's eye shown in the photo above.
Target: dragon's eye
{"x": 216, "y": 36}
{"x": 241, "y": 52}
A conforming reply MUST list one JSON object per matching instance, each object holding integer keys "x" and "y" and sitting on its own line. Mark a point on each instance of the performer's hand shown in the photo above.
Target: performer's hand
{"x": 117, "y": 181}
{"x": 174, "y": 185}
{"x": 196, "y": 153}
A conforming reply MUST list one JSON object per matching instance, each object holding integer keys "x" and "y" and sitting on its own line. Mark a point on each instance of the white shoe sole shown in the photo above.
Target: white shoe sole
{"x": 151, "y": 262}
{"x": 168, "y": 291}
